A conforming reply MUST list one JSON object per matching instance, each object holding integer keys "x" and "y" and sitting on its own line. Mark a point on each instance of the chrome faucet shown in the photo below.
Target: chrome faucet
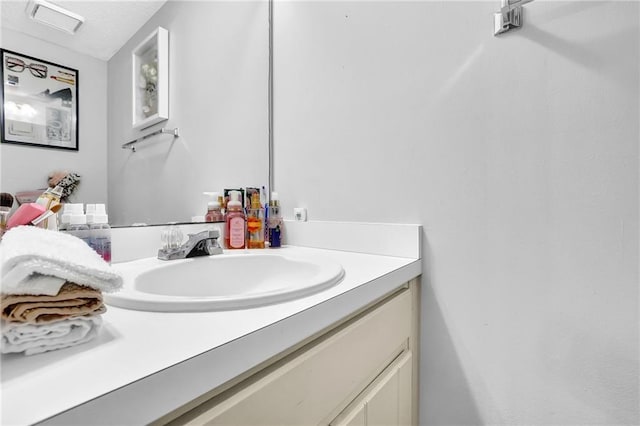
{"x": 203, "y": 243}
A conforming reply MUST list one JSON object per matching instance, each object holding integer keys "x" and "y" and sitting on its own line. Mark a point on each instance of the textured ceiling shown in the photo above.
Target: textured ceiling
{"x": 108, "y": 25}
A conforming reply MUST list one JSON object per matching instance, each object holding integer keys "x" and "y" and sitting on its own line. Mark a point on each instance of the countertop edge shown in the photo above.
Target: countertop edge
{"x": 171, "y": 388}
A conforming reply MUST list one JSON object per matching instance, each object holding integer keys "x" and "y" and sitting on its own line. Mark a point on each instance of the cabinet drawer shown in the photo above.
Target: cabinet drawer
{"x": 320, "y": 378}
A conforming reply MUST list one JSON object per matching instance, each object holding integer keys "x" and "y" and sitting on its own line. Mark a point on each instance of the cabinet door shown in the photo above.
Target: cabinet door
{"x": 386, "y": 402}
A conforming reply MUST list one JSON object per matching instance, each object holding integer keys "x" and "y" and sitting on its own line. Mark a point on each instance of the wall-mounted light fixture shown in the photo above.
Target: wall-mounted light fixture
{"x": 54, "y": 16}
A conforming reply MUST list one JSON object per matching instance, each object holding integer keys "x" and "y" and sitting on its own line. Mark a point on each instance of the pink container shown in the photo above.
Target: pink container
{"x": 25, "y": 214}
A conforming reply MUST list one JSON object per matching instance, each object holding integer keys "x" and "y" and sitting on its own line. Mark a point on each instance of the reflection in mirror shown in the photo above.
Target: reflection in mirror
{"x": 218, "y": 98}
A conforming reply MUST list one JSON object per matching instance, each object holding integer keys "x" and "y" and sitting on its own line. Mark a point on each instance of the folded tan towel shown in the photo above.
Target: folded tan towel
{"x": 72, "y": 300}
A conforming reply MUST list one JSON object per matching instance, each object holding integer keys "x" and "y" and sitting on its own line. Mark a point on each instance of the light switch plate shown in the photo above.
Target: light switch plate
{"x": 300, "y": 214}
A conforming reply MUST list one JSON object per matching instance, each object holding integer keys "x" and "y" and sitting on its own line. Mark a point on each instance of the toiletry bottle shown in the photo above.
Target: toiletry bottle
{"x": 234, "y": 236}
{"x": 78, "y": 227}
{"x": 100, "y": 233}
{"x": 90, "y": 212}
{"x": 48, "y": 199}
{"x": 255, "y": 223}
{"x": 275, "y": 222}
{"x": 214, "y": 213}
{"x": 223, "y": 207}
{"x": 264, "y": 200}
{"x": 69, "y": 209}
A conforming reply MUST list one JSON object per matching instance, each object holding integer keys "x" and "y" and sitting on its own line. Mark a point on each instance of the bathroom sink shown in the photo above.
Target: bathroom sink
{"x": 221, "y": 282}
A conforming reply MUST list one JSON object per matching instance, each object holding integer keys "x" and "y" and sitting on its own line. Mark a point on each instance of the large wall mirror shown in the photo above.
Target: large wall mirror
{"x": 218, "y": 99}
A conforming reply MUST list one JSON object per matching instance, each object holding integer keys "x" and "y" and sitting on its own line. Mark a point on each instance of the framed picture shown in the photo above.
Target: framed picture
{"x": 150, "y": 90}
{"x": 39, "y": 102}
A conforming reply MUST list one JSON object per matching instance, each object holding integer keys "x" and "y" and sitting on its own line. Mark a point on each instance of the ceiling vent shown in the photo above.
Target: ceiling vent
{"x": 54, "y": 16}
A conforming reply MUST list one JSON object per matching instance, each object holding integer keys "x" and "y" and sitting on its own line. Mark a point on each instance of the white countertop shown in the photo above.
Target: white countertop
{"x": 145, "y": 364}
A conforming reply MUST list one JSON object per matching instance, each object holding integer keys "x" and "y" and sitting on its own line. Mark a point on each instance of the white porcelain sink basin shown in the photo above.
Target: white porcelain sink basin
{"x": 221, "y": 282}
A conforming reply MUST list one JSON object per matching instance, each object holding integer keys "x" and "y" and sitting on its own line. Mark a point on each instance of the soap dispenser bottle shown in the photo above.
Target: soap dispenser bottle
{"x": 214, "y": 213}
{"x": 255, "y": 223}
{"x": 234, "y": 236}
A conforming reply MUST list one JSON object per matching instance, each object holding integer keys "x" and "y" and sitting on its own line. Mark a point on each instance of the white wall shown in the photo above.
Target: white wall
{"x": 518, "y": 154}
{"x": 27, "y": 168}
{"x": 217, "y": 98}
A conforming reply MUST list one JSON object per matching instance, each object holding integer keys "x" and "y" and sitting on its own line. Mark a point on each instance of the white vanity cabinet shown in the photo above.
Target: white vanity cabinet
{"x": 345, "y": 355}
{"x": 361, "y": 371}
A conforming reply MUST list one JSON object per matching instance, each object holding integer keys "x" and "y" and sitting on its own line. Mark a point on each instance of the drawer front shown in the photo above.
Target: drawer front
{"x": 316, "y": 381}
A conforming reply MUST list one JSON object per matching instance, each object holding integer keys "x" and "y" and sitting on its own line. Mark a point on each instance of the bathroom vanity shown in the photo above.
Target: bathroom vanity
{"x": 359, "y": 370}
{"x": 343, "y": 356}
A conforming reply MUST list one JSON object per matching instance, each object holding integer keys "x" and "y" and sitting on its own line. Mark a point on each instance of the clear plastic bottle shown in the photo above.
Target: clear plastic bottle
{"x": 274, "y": 224}
{"x": 100, "y": 233}
{"x": 48, "y": 199}
{"x": 234, "y": 236}
{"x": 78, "y": 227}
{"x": 255, "y": 223}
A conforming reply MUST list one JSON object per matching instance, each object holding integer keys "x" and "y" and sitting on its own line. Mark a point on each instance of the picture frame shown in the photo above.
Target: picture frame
{"x": 39, "y": 102}
{"x": 150, "y": 72}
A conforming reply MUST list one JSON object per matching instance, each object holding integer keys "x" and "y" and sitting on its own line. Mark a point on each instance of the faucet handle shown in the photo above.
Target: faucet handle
{"x": 171, "y": 237}
{"x": 204, "y": 243}
{"x": 203, "y": 235}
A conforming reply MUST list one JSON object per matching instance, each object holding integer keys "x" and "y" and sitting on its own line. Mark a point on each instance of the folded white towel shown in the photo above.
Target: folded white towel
{"x": 28, "y": 253}
{"x": 37, "y": 338}
{"x": 35, "y": 284}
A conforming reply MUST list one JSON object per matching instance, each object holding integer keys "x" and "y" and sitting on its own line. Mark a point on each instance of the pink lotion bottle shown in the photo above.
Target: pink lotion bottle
{"x": 235, "y": 223}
